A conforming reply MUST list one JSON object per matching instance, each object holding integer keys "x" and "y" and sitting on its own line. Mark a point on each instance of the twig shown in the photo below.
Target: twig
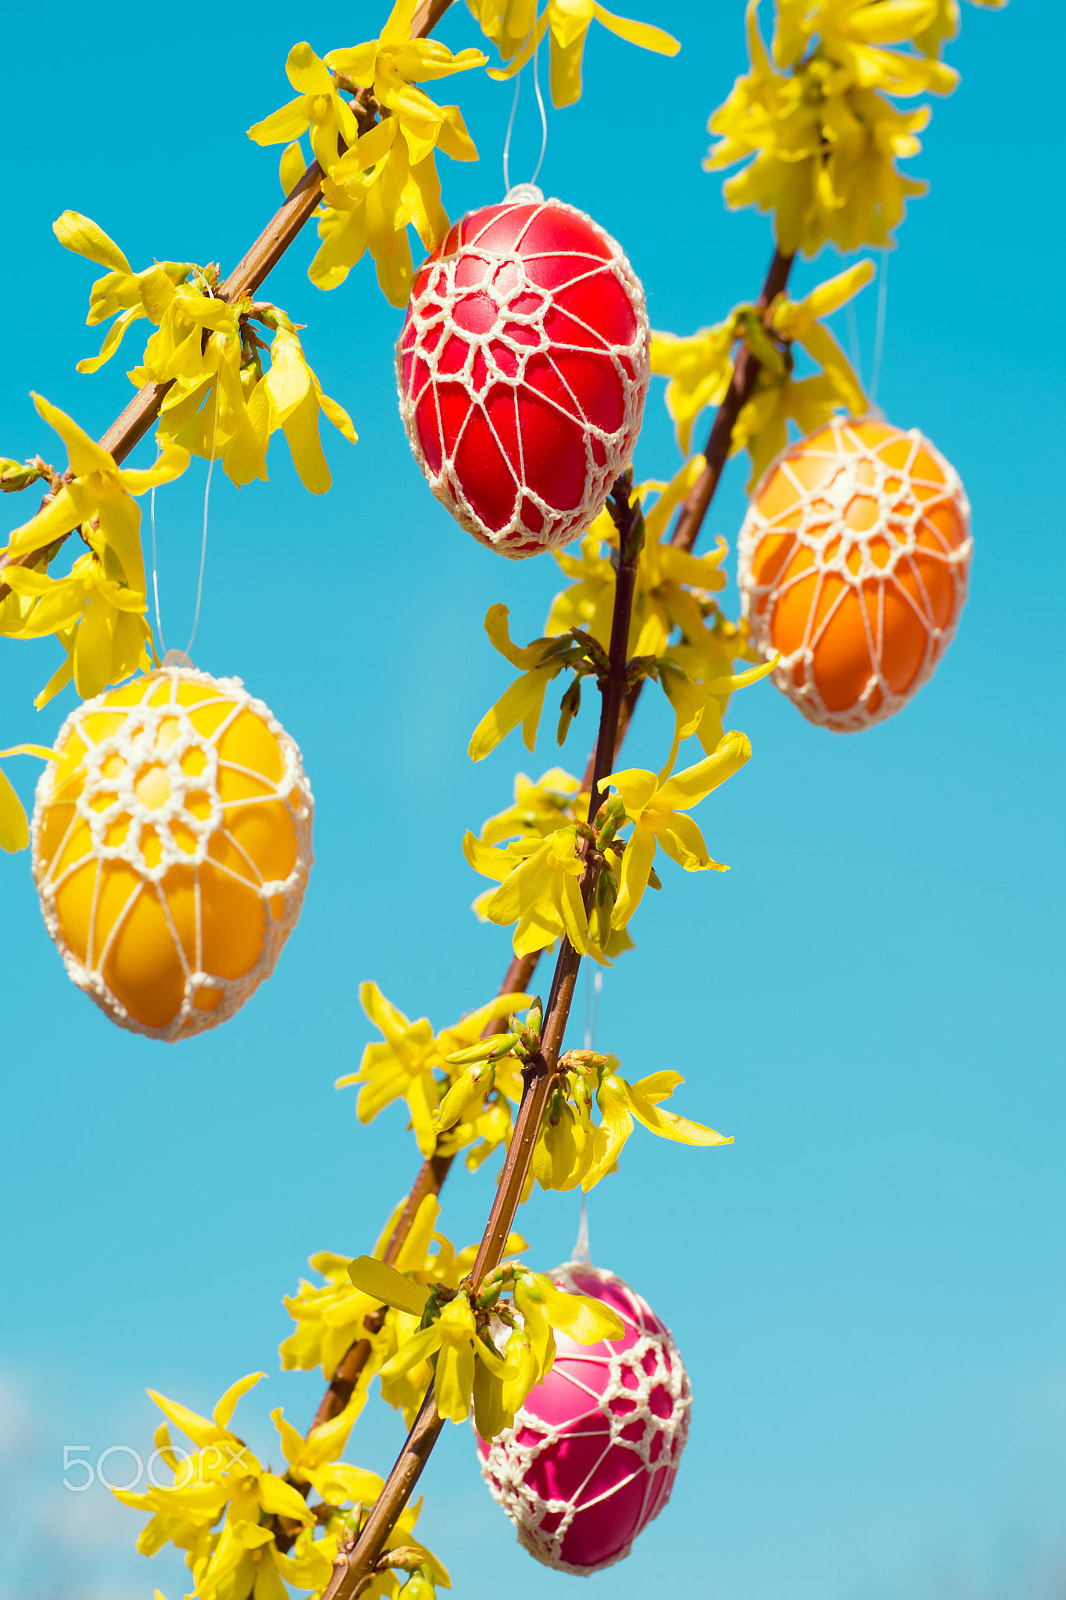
{"x": 356, "y": 1558}
{"x": 435, "y": 1169}
{"x": 256, "y": 264}
{"x": 716, "y": 453}
{"x": 740, "y": 391}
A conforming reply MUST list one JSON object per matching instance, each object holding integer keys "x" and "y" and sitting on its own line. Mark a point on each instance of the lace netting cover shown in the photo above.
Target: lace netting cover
{"x": 594, "y": 1451}
{"x": 522, "y": 368}
{"x": 171, "y": 848}
{"x": 852, "y": 563}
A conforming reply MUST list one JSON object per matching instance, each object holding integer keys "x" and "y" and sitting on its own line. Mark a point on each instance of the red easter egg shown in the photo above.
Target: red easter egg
{"x": 594, "y": 1451}
{"x": 852, "y": 564}
{"x": 522, "y": 369}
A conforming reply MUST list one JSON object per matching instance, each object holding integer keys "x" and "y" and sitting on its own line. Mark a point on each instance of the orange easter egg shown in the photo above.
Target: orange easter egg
{"x": 852, "y": 564}
{"x": 171, "y": 848}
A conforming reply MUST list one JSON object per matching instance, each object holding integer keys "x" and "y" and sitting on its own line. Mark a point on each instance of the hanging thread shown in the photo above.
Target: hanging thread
{"x": 185, "y": 655}
{"x": 879, "y": 335}
{"x": 593, "y": 990}
{"x": 155, "y": 578}
{"x": 543, "y": 119}
{"x": 203, "y": 538}
{"x": 511, "y": 122}
{"x": 581, "y": 1243}
{"x": 854, "y": 348}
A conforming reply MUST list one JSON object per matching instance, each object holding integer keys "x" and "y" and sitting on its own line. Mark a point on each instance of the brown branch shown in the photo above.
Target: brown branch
{"x": 357, "y": 1557}
{"x": 740, "y": 391}
{"x": 716, "y": 452}
{"x": 435, "y": 1170}
{"x": 251, "y": 271}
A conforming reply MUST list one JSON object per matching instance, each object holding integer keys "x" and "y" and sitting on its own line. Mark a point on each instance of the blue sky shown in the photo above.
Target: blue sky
{"x": 868, "y": 1285}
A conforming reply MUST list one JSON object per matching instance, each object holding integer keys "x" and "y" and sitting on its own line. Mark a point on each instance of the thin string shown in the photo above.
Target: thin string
{"x": 507, "y": 140}
{"x": 592, "y": 1006}
{"x": 581, "y": 1243}
{"x": 511, "y": 122}
{"x": 854, "y": 347}
{"x": 203, "y": 540}
{"x": 203, "y": 548}
{"x": 879, "y": 336}
{"x": 155, "y": 580}
{"x": 543, "y": 121}
{"x": 593, "y": 991}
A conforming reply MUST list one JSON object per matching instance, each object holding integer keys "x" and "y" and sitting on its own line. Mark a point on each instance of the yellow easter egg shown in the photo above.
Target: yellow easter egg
{"x": 171, "y": 848}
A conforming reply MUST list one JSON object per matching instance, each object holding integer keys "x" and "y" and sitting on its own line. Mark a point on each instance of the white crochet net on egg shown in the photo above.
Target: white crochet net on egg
{"x": 654, "y": 1362}
{"x": 106, "y": 800}
{"x": 902, "y": 515}
{"x": 607, "y": 453}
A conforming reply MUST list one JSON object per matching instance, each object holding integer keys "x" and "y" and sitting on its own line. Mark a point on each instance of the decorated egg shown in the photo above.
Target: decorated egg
{"x": 522, "y": 369}
{"x": 171, "y": 847}
{"x": 852, "y": 563}
{"x": 593, "y": 1453}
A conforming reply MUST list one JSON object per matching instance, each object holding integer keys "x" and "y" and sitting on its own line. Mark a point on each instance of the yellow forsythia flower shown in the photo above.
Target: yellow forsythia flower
{"x": 314, "y": 1460}
{"x": 222, "y": 1482}
{"x": 671, "y": 597}
{"x": 572, "y": 1149}
{"x": 672, "y": 586}
{"x": 700, "y": 370}
{"x": 515, "y": 29}
{"x": 14, "y": 828}
{"x": 539, "y": 808}
{"x": 219, "y": 404}
{"x": 697, "y": 367}
{"x": 456, "y": 1338}
{"x": 762, "y": 426}
{"x": 382, "y": 179}
{"x": 403, "y": 1064}
{"x": 656, "y": 808}
{"x": 98, "y": 610}
{"x": 540, "y": 889}
{"x": 319, "y": 106}
{"x": 221, "y": 1476}
{"x": 523, "y": 701}
{"x": 854, "y": 34}
{"x": 824, "y": 142}
{"x": 310, "y": 1565}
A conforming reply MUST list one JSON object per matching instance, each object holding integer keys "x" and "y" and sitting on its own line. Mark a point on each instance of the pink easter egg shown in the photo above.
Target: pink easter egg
{"x": 594, "y": 1452}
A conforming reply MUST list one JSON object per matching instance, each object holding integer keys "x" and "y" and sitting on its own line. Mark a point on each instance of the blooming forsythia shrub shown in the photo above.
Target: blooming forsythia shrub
{"x": 818, "y": 126}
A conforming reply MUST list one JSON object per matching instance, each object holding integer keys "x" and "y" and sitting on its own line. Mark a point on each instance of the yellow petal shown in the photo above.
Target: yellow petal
{"x": 638, "y": 33}
{"x": 112, "y": 340}
{"x": 288, "y": 381}
{"x": 14, "y": 828}
{"x": 688, "y": 788}
{"x": 92, "y": 648}
{"x": 682, "y": 840}
{"x": 85, "y": 454}
{"x": 223, "y": 1412}
{"x": 85, "y": 237}
{"x": 288, "y": 122}
{"x": 301, "y": 435}
{"x": 306, "y": 71}
{"x": 522, "y": 702}
{"x": 388, "y": 1286}
{"x": 566, "y": 68}
{"x": 581, "y": 1317}
{"x": 280, "y": 1499}
{"x": 293, "y": 166}
{"x": 501, "y": 73}
{"x": 636, "y": 787}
